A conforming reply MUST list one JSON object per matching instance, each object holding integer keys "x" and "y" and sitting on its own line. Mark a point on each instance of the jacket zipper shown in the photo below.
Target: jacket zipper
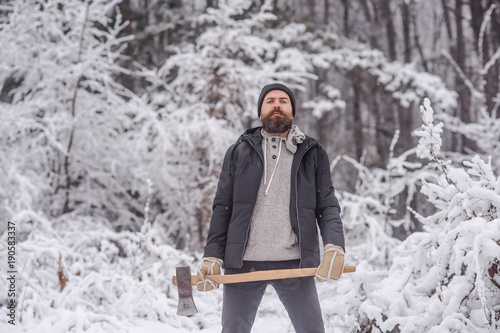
{"x": 249, "y": 224}
{"x": 297, "y": 200}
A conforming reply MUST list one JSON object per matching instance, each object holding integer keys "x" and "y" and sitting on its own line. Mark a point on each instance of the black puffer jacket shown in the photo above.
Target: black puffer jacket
{"x": 312, "y": 199}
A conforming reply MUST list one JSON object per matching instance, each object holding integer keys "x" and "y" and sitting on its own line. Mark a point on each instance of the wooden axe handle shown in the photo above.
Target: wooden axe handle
{"x": 261, "y": 275}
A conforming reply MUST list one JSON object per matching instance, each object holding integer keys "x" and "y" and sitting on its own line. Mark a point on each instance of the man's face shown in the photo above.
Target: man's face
{"x": 276, "y": 113}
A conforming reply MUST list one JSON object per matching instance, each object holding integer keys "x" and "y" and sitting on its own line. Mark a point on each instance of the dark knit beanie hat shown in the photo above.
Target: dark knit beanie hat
{"x": 271, "y": 87}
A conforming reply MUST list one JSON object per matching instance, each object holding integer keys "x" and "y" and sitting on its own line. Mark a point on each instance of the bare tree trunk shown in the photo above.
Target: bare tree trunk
{"x": 495, "y": 22}
{"x": 407, "y": 19}
{"x": 326, "y": 14}
{"x": 419, "y": 46}
{"x": 447, "y": 20}
{"x": 406, "y": 123}
{"x": 406, "y": 126}
{"x": 66, "y": 207}
{"x": 491, "y": 78}
{"x": 372, "y": 22}
{"x": 460, "y": 58}
{"x": 275, "y": 6}
{"x": 455, "y": 139}
{"x": 173, "y": 4}
{"x": 345, "y": 3}
{"x": 385, "y": 10}
{"x": 311, "y": 5}
{"x": 381, "y": 132}
{"x": 212, "y": 3}
{"x": 495, "y": 43}
{"x": 477, "y": 16}
{"x": 357, "y": 122}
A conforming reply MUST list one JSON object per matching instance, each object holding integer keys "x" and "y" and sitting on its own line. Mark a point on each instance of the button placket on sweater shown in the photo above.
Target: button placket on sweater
{"x": 274, "y": 148}
{"x": 272, "y": 153}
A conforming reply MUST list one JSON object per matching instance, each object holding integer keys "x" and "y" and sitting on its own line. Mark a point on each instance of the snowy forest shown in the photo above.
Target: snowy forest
{"x": 115, "y": 116}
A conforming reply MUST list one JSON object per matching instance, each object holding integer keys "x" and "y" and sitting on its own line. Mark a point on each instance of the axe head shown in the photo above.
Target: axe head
{"x": 186, "y": 306}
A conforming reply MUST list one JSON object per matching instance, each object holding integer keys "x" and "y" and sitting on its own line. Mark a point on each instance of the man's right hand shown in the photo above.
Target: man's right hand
{"x": 210, "y": 266}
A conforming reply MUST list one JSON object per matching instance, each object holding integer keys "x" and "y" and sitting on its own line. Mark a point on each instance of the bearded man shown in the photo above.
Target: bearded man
{"x": 274, "y": 191}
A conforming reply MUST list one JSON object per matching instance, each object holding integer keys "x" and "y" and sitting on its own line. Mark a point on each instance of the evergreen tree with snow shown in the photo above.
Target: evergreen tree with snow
{"x": 447, "y": 278}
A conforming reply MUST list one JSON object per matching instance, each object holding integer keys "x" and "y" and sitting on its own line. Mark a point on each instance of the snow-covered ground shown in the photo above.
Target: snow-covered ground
{"x": 121, "y": 282}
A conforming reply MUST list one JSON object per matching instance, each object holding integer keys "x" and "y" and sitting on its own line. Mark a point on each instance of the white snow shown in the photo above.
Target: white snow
{"x": 142, "y": 166}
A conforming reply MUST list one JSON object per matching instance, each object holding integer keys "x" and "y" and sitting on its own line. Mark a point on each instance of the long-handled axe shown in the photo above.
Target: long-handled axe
{"x": 184, "y": 281}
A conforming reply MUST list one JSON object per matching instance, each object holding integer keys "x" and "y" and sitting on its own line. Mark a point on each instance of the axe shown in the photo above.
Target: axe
{"x": 184, "y": 281}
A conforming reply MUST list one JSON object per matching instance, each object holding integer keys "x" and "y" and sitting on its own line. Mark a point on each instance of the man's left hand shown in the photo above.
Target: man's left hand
{"x": 332, "y": 265}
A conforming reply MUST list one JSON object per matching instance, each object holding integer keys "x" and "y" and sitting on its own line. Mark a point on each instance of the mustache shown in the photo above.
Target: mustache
{"x": 278, "y": 111}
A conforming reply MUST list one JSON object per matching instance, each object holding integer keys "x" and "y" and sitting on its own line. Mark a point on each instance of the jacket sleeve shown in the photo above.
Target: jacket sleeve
{"x": 221, "y": 210}
{"x": 327, "y": 205}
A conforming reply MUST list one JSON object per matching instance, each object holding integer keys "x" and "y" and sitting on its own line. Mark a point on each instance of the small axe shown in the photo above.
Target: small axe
{"x": 184, "y": 281}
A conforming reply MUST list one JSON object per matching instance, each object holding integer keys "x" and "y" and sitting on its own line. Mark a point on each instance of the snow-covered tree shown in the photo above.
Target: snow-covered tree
{"x": 447, "y": 278}
{"x": 67, "y": 142}
{"x": 78, "y": 274}
{"x": 369, "y": 213}
{"x": 484, "y": 130}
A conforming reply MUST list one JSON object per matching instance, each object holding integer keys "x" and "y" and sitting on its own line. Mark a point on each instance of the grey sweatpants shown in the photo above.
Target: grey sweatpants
{"x": 298, "y": 295}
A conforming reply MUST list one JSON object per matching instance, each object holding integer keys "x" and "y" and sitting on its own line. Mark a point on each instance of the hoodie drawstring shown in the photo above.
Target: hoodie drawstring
{"x": 265, "y": 165}
{"x": 265, "y": 161}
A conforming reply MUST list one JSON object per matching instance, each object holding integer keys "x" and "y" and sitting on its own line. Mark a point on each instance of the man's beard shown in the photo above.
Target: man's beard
{"x": 276, "y": 125}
